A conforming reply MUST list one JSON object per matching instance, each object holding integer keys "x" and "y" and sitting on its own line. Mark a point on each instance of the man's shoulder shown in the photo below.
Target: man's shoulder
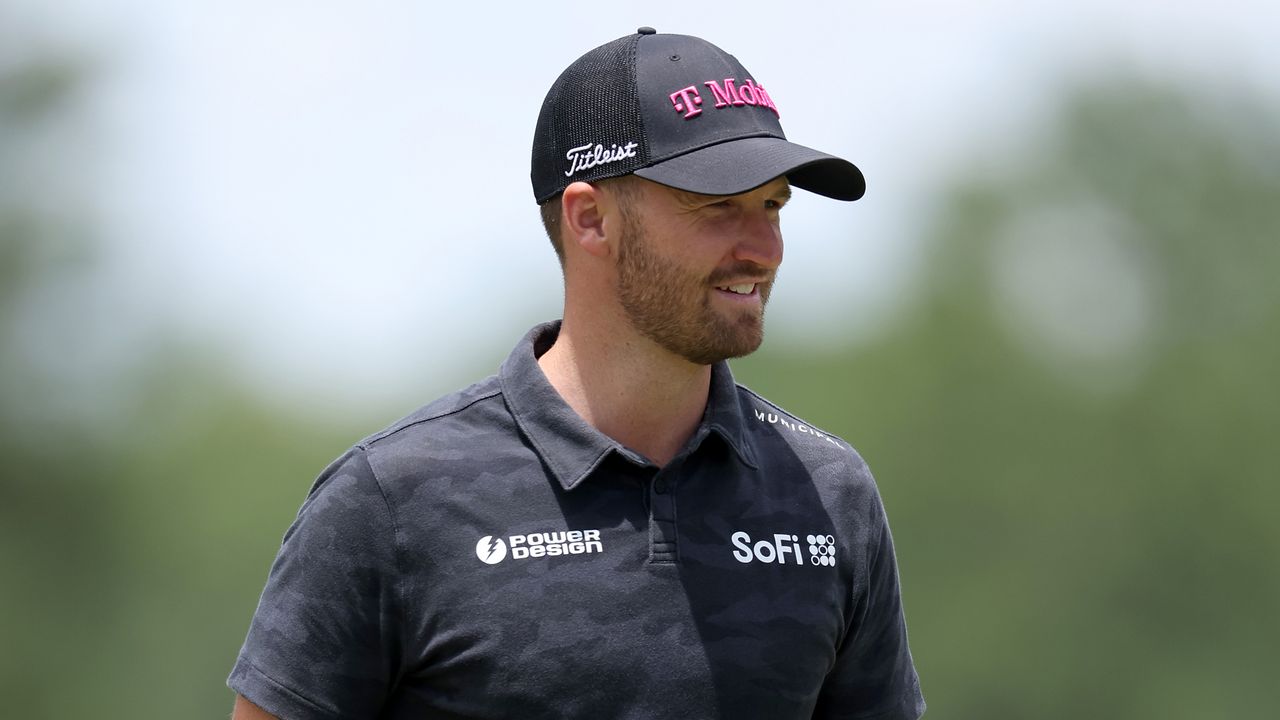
{"x": 768, "y": 423}
{"x": 454, "y": 418}
{"x": 790, "y": 447}
{"x": 446, "y": 439}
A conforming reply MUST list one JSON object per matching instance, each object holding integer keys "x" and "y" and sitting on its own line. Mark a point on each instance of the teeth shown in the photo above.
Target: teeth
{"x": 743, "y": 289}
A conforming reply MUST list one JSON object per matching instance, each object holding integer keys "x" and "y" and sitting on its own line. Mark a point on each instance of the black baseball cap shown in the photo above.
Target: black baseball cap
{"x": 676, "y": 110}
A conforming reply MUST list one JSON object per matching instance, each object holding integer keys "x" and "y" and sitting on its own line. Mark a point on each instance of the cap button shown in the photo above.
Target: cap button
{"x": 646, "y": 30}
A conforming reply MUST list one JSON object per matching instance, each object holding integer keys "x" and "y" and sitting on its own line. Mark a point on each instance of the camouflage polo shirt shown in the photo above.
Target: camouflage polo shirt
{"x": 494, "y": 556}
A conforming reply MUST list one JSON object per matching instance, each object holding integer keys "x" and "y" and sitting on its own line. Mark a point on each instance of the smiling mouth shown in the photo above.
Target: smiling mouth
{"x": 741, "y": 289}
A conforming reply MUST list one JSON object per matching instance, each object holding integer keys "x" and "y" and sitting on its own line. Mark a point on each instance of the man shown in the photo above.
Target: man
{"x": 609, "y": 527}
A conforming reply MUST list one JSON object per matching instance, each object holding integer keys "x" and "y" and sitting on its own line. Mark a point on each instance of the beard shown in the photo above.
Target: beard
{"x": 672, "y": 306}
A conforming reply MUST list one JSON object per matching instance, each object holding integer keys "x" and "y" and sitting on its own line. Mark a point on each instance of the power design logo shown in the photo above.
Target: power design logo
{"x": 784, "y": 549}
{"x": 493, "y": 550}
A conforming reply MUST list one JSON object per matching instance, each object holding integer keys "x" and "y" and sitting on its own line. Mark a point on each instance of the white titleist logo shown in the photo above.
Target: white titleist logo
{"x": 493, "y": 550}
{"x": 822, "y": 549}
{"x": 585, "y": 157}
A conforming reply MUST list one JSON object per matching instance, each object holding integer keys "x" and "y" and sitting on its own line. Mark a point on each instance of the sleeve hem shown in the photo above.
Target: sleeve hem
{"x": 908, "y": 709}
{"x": 270, "y": 695}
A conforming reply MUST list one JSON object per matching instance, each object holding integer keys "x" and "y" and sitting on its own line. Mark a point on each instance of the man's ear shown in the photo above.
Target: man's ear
{"x": 583, "y": 210}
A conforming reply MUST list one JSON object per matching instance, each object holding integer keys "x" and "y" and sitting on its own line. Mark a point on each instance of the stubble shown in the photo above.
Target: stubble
{"x": 672, "y": 306}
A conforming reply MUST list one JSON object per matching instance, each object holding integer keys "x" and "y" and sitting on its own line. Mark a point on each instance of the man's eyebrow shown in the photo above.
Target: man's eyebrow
{"x": 781, "y": 196}
{"x": 692, "y": 198}
{"x": 687, "y": 197}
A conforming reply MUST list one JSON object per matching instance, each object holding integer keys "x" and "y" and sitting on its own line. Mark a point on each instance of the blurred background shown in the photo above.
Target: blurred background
{"x": 236, "y": 237}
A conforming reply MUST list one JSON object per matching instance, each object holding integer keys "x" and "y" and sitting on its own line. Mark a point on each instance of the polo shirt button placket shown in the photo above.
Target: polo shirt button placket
{"x": 662, "y": 522}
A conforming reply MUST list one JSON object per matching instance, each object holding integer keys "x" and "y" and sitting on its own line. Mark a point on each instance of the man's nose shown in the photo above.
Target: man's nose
{"x": 760, "y": 240}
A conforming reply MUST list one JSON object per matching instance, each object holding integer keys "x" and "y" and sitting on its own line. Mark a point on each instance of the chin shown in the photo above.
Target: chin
{"x": 723, "y": 348}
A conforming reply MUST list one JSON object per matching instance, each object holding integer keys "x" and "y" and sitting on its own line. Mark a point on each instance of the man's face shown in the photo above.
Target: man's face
{"x": 695, "y": 271}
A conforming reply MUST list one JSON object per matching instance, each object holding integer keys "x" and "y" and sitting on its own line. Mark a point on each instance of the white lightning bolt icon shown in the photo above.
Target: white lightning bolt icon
{"x": 491, "y": 549}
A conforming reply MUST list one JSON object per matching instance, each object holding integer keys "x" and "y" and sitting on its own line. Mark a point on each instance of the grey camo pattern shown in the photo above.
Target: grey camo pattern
{"x": 377, "y": 605}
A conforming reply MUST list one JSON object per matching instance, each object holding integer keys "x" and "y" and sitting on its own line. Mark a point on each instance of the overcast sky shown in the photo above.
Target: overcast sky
{"x": 338, "y": 192}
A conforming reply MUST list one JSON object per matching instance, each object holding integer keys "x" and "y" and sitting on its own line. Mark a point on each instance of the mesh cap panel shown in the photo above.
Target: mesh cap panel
{"x": 590, "y": 126}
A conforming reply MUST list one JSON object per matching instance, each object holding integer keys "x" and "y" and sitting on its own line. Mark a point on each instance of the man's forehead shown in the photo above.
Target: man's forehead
{"x": 779, "y": 187}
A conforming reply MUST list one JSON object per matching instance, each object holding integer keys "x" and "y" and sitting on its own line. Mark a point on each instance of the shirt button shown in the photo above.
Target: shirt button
{"x": 660, "y": 486}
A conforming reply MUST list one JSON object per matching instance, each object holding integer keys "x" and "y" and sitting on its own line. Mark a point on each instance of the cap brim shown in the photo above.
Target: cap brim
{"x": 736, "y": 166}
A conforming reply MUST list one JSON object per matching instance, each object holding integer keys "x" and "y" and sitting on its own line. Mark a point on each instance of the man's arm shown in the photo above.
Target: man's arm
{"x": 245, "y": 710}
{"x": 324, "y": 641}
{"x": 874, "y": 672}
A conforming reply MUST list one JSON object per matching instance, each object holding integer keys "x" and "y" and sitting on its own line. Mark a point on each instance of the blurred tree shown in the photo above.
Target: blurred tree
{"x": 38, "y": 470}
{"x": 140, "y": 506}
{"x": 1074, "y": 425}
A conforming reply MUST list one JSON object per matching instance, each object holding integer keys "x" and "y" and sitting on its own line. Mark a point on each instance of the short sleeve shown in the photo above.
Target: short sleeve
{"x": 874, "y": 677}
{"x": 324, "y": 641}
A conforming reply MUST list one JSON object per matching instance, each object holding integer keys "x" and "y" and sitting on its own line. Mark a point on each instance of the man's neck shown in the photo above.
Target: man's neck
{"x": 629, "y": 388}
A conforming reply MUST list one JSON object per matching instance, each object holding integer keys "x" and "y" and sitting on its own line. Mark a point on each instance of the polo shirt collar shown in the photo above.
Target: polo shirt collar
{"x": 570, "y": 447}
{"x": 726, "y": 413}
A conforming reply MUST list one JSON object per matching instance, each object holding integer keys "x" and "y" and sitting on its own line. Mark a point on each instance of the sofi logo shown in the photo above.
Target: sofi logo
{"x": 785, "y": 549}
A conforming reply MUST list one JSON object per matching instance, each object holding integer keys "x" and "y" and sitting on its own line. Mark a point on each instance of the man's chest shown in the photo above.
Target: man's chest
{"x": 621, "y": 601}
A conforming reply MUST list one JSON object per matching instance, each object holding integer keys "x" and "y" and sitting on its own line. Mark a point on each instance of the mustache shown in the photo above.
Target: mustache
{"x": 740, "y": 270}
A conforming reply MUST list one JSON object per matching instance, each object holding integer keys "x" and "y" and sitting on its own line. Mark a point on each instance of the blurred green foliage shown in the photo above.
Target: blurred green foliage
{"x": 1085, "y": 533}
{"x": 1072, "y": 423}
{"x": 139, "y": 512}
